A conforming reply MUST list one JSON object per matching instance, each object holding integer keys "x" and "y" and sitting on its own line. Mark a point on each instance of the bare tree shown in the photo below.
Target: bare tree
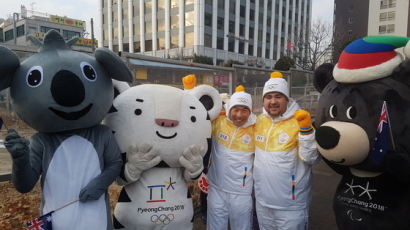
{"x": 314, "y": 49}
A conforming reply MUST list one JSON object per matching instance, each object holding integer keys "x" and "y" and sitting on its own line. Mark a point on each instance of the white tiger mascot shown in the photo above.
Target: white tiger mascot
{"x": 164, "y": 134}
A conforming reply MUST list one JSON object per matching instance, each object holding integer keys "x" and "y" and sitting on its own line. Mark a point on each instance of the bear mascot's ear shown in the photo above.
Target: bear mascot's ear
{"x": 322, "y": 76}
{"x": 113, "y": 65}
{"x": 8, "y": 65}
{"x": 119, "y": 87}
{"x": 206, "y": 94}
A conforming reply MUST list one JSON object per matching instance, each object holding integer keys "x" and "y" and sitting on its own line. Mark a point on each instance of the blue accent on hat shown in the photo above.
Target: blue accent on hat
{"x": 360, "y": 46}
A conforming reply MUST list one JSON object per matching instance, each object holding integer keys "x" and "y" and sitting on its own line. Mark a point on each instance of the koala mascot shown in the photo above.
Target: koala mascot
{"x": 64, "y": 95}
{"x": 164, "y": 133}
{"x": 363, "y": 132}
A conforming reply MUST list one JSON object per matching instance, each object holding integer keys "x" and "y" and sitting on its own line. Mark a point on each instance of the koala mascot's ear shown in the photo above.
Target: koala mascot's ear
{"x": 322, "y": 76}
{"x": 8, "y": 65}
{"x": 119, "y": 87}
{"x": 206, "y": 94}
{"x": 113, "y": 64}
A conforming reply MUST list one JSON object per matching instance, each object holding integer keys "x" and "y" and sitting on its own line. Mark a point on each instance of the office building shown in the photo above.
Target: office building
{"x": 253, "y": 32}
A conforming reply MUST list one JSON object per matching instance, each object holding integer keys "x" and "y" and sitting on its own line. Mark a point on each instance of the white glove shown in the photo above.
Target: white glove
{"x": 139, "y": 160}
{"x": 191, "y": 160}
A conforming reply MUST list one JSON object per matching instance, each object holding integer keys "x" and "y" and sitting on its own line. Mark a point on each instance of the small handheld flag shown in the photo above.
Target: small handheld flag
{"x": 40, "y": 223}
{"x": 383, "y": 137}
{"x": 44, "y": 222}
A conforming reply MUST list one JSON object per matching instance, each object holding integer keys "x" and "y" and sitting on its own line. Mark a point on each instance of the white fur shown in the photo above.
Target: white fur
{"x": 366, "y": 74}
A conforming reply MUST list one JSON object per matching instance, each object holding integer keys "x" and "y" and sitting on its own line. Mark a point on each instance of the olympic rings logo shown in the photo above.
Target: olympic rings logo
{"x": 162, "y": 219}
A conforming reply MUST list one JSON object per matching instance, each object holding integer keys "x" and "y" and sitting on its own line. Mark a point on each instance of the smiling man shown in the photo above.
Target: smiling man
{"x": 230, "y": 174}
{"x": 285, "y": 149}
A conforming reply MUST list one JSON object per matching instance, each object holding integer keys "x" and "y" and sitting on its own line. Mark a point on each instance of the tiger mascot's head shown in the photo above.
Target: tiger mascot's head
{"x": 168, "y": 118}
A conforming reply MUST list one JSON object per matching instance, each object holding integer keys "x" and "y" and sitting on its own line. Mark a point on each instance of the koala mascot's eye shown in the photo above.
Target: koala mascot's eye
{"x": 138, "y": 112}
{"x": 34, "y": 76}
{"x": 88, "y": 71}
{"x": 333, "y": 111}
{"x": 351, "y": 112}
{"x": 193, "y": 119}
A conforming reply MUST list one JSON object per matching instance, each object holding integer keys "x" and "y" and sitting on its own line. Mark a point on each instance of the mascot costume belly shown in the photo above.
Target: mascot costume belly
{"x": 164, "y": 133}
{"x": 64, "y": 95}
{"x": 363, "y": 132}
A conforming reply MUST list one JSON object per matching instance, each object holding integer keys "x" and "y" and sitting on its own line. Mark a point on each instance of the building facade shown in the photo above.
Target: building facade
{"x": 254, "y": 32}
{"x": 16, "y": 30}
{"x": 355, "y": 19}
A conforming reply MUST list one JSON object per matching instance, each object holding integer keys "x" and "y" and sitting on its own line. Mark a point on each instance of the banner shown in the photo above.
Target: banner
{"x": 67, "y": 21}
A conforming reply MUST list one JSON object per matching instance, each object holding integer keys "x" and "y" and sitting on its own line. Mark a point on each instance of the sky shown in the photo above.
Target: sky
{"x": 87, "y": 9}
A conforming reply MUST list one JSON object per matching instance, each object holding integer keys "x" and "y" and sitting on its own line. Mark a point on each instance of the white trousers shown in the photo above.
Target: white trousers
{"x": 270, "y": 218}
{"x": 223, "y": 206}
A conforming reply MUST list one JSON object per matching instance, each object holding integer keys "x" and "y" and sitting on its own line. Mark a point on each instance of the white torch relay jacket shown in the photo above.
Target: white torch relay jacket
{"x": 231, "y": 163}
{"x": 283, "y": 159}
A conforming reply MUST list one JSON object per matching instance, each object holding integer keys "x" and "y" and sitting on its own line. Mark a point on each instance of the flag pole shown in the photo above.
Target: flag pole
{"x": 65, "y": 205}
{"x": 390, "y": 131}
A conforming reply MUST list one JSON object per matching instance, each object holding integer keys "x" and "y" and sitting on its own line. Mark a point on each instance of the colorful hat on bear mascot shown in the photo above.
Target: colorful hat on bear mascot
{"x": 370, "y": 58}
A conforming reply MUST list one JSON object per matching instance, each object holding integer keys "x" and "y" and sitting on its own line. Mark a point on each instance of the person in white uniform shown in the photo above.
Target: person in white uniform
{"x": 285, "y": 151}
{"x": 230, "y": 172}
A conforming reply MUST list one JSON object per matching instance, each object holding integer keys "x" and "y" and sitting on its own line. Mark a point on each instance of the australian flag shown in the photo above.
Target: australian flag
{"x": 383, "y": 138}
{"x": 41, "y": 223}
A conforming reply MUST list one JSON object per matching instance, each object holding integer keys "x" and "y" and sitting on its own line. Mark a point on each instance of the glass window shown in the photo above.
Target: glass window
{"x": 188, "y": 2}
{"x": 174, "y": 3}
{"x": 231, "y": 45}
{"x": 232, "y": 7}
{"x": 242, "y": 11}
{"x": 161, "y": 24}
{"x": 148, "y": 7}
{"x": 241, "y": 47}
{"x": 220, "y": 43}
{"x": 161, "y": 43}
{"x": 390, "y": 28}
{"x": 382, "y": 29}
{"x": 174, "y": 41}
{"x": 391, "y": 15}
{"x": 8, "y": 35}
{"x": 392, "y": 3}
{"x": 252, "y": 15}
{"x": 161, "y": 5}
{"x": 250, "y": 50}
{"x": 207, "y": 40}
{"x": 45, "y": 29}
{"x": 231, "y": 27}
{"x": 137, "y": 28}
{"x": 208, "y": 19}
{"x": 115, "y": 33}
{"x": 189, "y": 39}
{"x": 208, "y": 2}
{"x": 220, "y": 24}
{"x": 20, "y": 31}
{"x": 383, "y": 4}
{"x": 190, "y": 18}
{"x": 221, "y": 4}
{"x": 174, "y": 22}
{"x": 241, "y": 29}
{"x": 70, "y": 34}
{"x": 148, "y": 27}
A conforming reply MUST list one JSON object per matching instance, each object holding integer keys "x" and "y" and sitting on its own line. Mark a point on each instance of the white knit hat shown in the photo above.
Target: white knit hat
{"x": 276, "y": 83}
{"x": 240, "y": 97}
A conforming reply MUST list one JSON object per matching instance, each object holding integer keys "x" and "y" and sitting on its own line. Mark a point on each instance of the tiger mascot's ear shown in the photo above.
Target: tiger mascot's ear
{"x": 206, "y": 94}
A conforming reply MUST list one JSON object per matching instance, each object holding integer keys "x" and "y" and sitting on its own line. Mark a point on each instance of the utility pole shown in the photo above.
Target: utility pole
{"x": 92, "y": 35}
{"x": 15, "y": 15}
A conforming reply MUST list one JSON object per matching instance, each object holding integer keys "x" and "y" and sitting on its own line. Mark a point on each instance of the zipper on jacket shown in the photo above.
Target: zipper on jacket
{"x": 233, "y": 137}
{"x": 268, "y": 135}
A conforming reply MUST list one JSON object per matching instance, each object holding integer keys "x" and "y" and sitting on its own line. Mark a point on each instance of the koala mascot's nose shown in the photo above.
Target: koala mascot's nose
{"x": 67, "y": 89}
{"x": 327, "y": 137}
{"x": 166, "y": 123}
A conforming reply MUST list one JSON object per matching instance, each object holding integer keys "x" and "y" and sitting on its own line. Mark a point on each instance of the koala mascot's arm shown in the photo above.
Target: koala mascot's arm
{"x": 111, "y": 169}
{"x": 26, "y": 161}
{"x": 192, "y": 162}
{"x": 307, "y": 145}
